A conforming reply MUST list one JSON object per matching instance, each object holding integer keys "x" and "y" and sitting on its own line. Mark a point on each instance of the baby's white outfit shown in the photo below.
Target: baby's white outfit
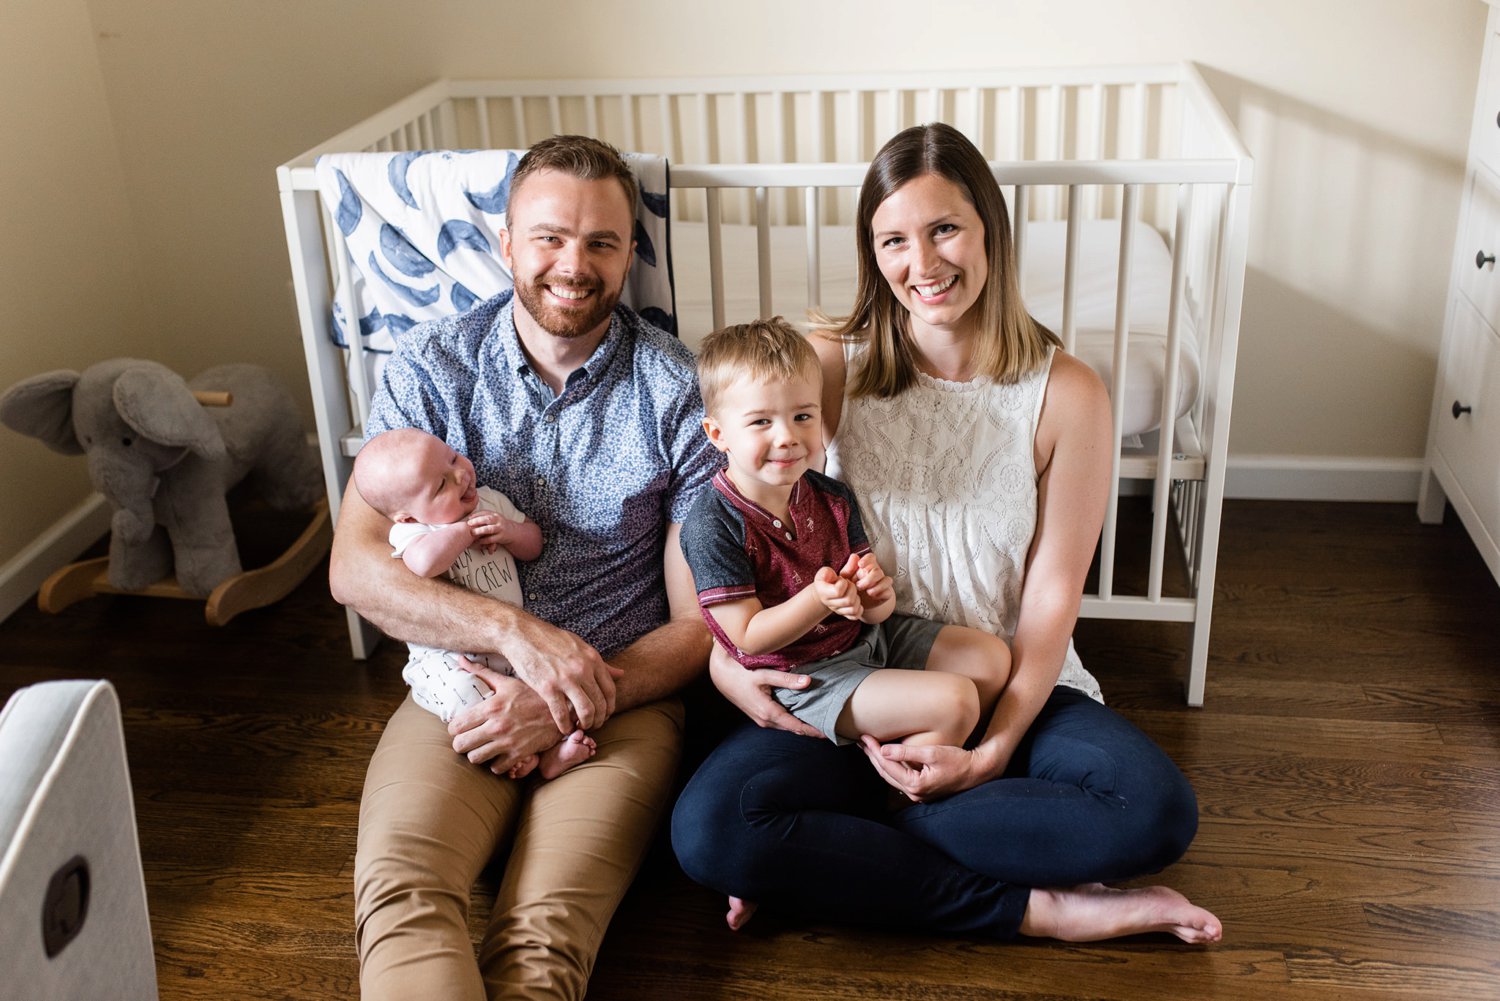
{"x": 438, "y": 683}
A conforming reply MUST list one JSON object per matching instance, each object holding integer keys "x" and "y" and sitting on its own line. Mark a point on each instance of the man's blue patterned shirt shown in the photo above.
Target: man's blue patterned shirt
{"x": 602, "y": 468}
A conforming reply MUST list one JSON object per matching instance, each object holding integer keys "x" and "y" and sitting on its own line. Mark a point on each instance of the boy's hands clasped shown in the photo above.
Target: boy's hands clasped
{"x": 860, "y": 584}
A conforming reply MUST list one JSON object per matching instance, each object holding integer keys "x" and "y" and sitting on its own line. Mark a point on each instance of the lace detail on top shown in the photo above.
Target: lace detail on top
{"x": 946, "y": 479}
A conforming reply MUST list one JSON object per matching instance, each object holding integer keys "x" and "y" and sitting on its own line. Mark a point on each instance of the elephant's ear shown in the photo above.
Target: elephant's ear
{"x": 158, "y": 404}
{"x": 42, "y": 407}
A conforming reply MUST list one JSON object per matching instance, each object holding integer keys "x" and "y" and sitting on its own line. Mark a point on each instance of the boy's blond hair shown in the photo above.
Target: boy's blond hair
{"x": 763, "y": 350}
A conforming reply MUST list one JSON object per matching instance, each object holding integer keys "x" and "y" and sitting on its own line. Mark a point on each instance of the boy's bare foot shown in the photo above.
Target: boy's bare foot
{"x": 740, "y": 911}
{"x": 523, "y": 768}
{"x": 1093, "y": 912}
{"x": 576, "y": 748}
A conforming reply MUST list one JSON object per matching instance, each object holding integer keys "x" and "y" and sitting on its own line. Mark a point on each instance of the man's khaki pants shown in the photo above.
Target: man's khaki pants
{"x": 429, "y": 822}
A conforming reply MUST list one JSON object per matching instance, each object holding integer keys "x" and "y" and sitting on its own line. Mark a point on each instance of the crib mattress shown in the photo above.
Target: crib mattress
{"x": 1042, "y": 286}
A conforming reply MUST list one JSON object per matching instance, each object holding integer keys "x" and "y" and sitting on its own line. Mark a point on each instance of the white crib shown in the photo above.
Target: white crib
{"x": 764, "y": 176}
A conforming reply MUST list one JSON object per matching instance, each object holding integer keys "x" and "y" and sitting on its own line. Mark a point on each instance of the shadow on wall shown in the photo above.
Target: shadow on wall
{"x": 1348, "y": 212}
{"x": 1351, "y": 241}
{"x": 1308, "y": 363}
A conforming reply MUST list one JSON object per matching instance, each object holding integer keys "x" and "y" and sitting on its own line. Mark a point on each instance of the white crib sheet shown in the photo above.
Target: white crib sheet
{"x": 1042, "y": 286}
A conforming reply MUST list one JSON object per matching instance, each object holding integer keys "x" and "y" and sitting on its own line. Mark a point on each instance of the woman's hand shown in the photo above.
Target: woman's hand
{"x": 928, "y": 773}
{"x": 750, "y": 692}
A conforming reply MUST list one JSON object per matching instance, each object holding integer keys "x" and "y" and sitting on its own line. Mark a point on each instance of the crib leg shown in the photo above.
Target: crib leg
{"x": 363, "y": 637}
{"x": 1198, "y": 663}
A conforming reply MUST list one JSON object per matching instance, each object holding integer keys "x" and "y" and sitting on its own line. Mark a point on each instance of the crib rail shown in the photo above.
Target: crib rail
{"x": 1122, "y": 143}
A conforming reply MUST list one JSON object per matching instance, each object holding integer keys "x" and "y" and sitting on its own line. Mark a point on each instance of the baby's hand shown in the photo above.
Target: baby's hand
{"x": 490, "y": 529}
{"x": 872, "y": 581}
{"x": 838, "y": 594}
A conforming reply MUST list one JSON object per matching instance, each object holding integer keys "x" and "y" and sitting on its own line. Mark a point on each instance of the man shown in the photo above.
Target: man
{"x": 588, "y": 419}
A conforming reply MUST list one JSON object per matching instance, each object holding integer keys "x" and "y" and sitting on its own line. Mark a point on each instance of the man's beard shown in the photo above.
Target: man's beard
{"x": 560, "y": 322}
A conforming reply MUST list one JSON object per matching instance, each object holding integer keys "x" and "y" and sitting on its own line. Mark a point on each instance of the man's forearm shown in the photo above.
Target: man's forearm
{"x": 363, "y": 576}
{"x": 661, "y": 662}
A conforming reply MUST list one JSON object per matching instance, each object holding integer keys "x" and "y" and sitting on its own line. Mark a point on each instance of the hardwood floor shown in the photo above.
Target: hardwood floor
{"x": 1347, "y": 764}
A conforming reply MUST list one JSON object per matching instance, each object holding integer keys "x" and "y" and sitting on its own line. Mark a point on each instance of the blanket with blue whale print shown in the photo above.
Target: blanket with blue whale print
{"x": 422, "y": 230}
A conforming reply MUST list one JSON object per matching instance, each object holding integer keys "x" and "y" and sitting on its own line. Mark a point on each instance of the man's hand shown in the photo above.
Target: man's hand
{"x": 838, "y": 593}
{"x": 569, "y": 675}
{"x": 506, "y": 727}
{"x": 750, "y": 692}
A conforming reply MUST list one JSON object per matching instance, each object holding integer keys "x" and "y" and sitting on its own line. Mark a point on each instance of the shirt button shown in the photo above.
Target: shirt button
{"x": 541, "y": 481}
{"x": 776, "y": 523}
{"x": 789, "y": 536}
{"x": 550, "y": 418}
{"x": 531, "y": 596}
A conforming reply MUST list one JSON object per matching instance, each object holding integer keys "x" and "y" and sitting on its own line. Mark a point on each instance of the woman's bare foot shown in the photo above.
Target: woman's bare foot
{"x": 740, "y": 911}
{"x": 576, "y": 748}
{"x": 1093, "y": 912}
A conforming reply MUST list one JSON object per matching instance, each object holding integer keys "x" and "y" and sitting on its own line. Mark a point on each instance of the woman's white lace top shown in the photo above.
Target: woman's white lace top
{"x": 947, "y": 485}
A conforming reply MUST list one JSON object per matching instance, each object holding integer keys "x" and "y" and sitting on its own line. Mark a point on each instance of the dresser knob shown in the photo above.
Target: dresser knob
{"x": 1481, "y": 259}
{"x": 1459, "y": 410}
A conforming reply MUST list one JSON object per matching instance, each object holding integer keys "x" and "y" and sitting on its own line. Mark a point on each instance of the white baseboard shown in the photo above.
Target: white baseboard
{"x": 1322, "y": 478}
{"x": 58, "y": 546}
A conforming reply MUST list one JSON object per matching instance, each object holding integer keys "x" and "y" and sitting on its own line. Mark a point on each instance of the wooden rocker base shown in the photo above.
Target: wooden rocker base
{"x": 240, "y": 593}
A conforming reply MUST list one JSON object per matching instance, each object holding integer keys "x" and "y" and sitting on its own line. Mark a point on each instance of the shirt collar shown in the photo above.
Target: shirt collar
{"x": 725, "y": 486}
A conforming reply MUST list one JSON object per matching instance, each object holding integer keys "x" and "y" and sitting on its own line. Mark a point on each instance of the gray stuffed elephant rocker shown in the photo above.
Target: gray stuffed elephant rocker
{"x": 165, "y": 461}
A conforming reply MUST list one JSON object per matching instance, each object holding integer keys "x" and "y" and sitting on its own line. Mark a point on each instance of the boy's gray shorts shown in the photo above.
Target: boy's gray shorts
{"x": 901, "y": 642}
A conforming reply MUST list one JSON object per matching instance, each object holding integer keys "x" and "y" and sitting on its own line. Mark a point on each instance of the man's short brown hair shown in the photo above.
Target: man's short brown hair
{"x": 583, "y": 157}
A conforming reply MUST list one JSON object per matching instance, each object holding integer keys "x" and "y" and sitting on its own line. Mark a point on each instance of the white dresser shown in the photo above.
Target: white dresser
{"x": 1463, "y": 437}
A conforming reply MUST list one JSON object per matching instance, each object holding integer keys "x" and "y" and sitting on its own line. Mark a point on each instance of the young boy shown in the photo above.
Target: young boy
{"x": 444, "y": 522}
{"x": 785, "y": 575}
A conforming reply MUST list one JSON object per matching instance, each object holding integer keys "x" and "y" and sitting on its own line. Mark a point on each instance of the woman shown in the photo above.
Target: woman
{"x": 981, "y": 456}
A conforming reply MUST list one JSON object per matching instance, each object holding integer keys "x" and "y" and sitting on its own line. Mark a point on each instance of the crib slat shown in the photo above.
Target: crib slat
{"x": 814, "y": 256}
{"x": 482, "y": 109}
{"x": 591, "y": 113}
{"x": 668, "y": 133}
{"x": 1070, "y": 272}
{"x": 1018, "y": 124}
{"x": 715, "y": 256}
{"x": 1097, "y": 193}
{"x": 778, "y": 132}
{"x": 742, "y": 106}
{"x": 1168, "y": 436}
{"x": 554, "y": 114}
{"x": 518, "y": 112}
{"x": 627, "y": 106}
{"x": 705, "y": 148}
{"x": 763, "y": 249}
{"x": 1018, "y": 225}
{"x": 1117, "y": 389}
{"x": 1141, "y": 98}
{"x": 816, "y": 118}
{"x": 859, "y": 128}
{"x": 977, "y": 131}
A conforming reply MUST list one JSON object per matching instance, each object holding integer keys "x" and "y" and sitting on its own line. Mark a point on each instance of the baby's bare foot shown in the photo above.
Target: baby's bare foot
{"x": 740, "y": 911}
{"x": 1093, "y": 912}
{"x": 524, "y": 767}
{"x": 576, "y": 748}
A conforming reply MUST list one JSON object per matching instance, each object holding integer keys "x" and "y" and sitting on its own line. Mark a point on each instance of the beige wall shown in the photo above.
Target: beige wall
{"x": 1357, "y": 111}
{"x": 70, "y": 279}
